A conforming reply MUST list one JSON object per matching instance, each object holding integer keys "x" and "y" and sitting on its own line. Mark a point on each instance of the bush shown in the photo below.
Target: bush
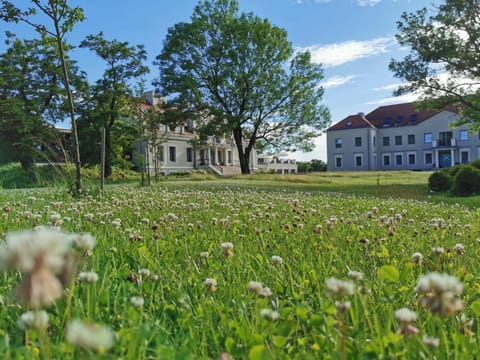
{"x": 454, "y": 170}
{"x": 440, "y": 181}
{"x": 466, "y": 181}
{"x": 475, "y": 164}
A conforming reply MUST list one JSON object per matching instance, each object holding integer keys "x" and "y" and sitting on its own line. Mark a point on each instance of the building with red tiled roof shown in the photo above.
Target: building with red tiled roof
{"x": 398, "y": 137}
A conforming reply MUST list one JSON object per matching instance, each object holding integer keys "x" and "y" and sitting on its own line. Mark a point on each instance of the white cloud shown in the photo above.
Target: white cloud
{"x": 396, "y": 99}
{"x": 336, "y": 80}
{"x": 348, "y": 51}
{"x": 390, "y": 87}
{"x": 368, "y": 2}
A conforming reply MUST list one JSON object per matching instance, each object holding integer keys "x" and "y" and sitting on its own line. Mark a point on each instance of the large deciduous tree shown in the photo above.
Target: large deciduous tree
{"x": 62, "y": 19}
{"x": 111, "y": 96}
{"x": 30, "y": 100}
{"x": 240, "y": 75}
{"x": 444, "y": 63}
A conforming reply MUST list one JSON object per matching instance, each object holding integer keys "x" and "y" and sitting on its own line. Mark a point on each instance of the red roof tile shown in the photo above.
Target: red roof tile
{"x": 388, "y": 116}
{"x": 351, "y": 122}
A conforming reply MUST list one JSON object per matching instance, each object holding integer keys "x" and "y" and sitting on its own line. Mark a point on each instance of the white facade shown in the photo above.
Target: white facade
{"x": 179, "y": 150}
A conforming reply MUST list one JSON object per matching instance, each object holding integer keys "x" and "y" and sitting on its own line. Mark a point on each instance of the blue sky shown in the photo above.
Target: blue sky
{"x": 353, "y": 39}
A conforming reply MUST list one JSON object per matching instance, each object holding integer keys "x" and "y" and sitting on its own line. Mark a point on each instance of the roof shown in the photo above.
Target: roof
{"x": 388, "y": 116}
{"x": 351, "y": 122}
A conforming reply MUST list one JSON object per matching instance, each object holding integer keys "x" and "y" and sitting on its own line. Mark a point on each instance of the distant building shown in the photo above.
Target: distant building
{"x": 398, "y": 137}
{"x": 179, "y": 149}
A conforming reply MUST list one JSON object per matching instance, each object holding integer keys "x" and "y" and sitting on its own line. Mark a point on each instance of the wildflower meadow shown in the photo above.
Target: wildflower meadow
{"x": 225, "y": 272}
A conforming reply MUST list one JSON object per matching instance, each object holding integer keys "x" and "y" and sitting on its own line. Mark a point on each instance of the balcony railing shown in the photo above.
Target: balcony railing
{"x": 444, "y": 143}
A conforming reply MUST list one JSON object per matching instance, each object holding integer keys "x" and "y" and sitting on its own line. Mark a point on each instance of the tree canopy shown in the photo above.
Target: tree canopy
{"x": 444, "y": 63}
{"x": 238, "y": 74}
{"x": 62, "y": 18}
{"x": 109, "y": 103}
{"x": 31, "y": 99}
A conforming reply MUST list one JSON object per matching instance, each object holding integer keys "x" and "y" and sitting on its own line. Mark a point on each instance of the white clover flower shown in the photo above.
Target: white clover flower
{"x": 89, "y": 336}
{"x": 405, "y": 315}
{"x": 438, "y": 250}
{"x": 137, "y": 301}
{"x": 23, "y": 250}
{"x": 342, "y": 306}
{"x": 144, "y": 273}
{"x": 355, "y": 275}
{"x": 459, "y": 249}
{"x": 431, "y": 341}
{"x": 440, "y": 293}
{"x": 33, "y": 320}
{"x": 276, "y": 260}
{"x": 204, "y": 254}
{"x": 269, "y": 314}
{"x": 255, "y": 286}
{"x": 340, "y": 287}
{"x": 88, "y": 276}
{"x": 227, "y": 248}
{"x": 417, "y": 258}
{"x": 265, "y": 292}
{"x": 84, "y": 241}
{"x": 210, "y": 284}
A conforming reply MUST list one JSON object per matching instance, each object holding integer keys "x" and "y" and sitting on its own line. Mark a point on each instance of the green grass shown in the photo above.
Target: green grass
{"x": 318, "y": 231}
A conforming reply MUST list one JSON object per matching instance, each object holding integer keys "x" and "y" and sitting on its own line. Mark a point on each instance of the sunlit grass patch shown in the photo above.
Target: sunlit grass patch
{"x": 198, "y": 269}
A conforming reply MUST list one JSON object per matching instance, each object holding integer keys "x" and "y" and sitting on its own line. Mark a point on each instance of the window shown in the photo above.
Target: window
{"x": 358, "y": 160}
{"x": 463, "y": 135}
{"x": 338, "y": 161}
{"x": 398, "y": 140}
{"x": 386, "y": 141}
{"x": 398, "y": 159}
{"x": 374, "y": 141}
{"x": 358, "y": 141}
{"x": 427, "y": 138}
{"x": 464, "y": 156}
{"x": 173, "y": 153}
{"x": 428, "y": 158}
{"x": 411, "y": 159}
{"x": 189, "y": 155}
{"x": 338, "y": 143}
{"x": 411, "y": 139}
{"x": 386, "y": 160}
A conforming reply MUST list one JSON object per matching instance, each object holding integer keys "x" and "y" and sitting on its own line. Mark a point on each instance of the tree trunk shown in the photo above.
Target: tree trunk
{"x": 71, "y": 108}
{"x": 243, "y": 154}
{"x": 28, "y": 165}
{"x": 108, "y": 153}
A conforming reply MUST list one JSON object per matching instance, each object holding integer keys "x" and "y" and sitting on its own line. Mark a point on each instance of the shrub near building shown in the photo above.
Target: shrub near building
{"x": 460, "y": 180}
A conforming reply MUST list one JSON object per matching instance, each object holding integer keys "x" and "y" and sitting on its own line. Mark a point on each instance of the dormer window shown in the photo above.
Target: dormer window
{"x": 387, "y": 122}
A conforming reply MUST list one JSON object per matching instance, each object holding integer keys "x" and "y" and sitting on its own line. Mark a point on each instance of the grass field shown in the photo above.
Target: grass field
{"x": 329, "y": 266}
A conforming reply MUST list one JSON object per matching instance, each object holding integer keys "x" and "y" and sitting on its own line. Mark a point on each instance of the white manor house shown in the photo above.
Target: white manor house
{"x": 179, "y": 150}
{"x": 398, "y": 137}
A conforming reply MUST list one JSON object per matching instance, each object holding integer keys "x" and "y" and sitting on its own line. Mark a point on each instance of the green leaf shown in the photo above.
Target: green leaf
{"x": 229, "y": 344}
{"x": 279, "y": 341}
{"x": 476, "y": 308}
{"x": 389, "y": 273}
{"x": 258, "y": 352}
{"x": 302, "y": 313}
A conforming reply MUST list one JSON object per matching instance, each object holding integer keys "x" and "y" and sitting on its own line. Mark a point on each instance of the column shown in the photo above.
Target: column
{"x": 452, "y": 153}
{"x": 436, "y": 158}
